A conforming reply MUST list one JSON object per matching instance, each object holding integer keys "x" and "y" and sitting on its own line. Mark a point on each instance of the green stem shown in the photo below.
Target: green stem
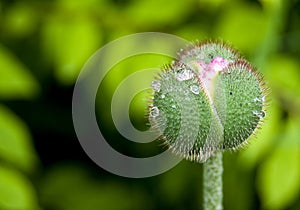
{"x": 212, "y": 182}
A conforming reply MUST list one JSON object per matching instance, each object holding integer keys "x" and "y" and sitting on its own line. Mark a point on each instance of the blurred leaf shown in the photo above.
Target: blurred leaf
{"x": 20, "y": 20}
{"x": 138, "y": 107}
{"x": 279, "y": 176}
{"x": 244, "y": 25}
{"x": 79, "y": 6}
{"x": 15, "y": 141}
{"x": 158, "y": 13}
{"x": 173, "y": 183}
{"x": 283, "y": 75}
{"x": 69, "y": 187}
{"x": 15, "y": 79}
{"x": 131, "y": 65}
{"x": 212, "y": 4}
{"x": 16, "y": 192}
{"x": 193, "y": 32}
{"x": 272, "y": 3}
{"x": 237, "y": 184}
{"x": 122, "y": 71}
{"x": 68, "y": 43}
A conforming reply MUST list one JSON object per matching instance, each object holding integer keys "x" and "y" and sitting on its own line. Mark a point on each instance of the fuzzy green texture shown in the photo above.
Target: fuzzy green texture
{"x": 208, "y": 101}
{"x": 244, "y": 101}
{"x": 205, "y": 52}
{"x": 184, "y": 115}
{"x": 223, "y": 97}
{"x": 212, "y": 183}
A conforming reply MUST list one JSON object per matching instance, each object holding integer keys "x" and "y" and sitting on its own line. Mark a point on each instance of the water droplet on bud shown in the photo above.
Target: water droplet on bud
{"x": 155, "y": 85}
{"x": 154, "y": 111}
{"x": 257, "y": 100}
{"x": 184, "y": 74}
{"x": 260, "y": 114}
{"x": 195, "y": 89}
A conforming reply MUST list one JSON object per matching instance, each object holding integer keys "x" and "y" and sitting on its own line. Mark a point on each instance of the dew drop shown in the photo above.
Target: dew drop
{"x": 195, "y": 89}
{"x": 184, "y": 74}
{"x": 186, "y": 92}
{"x": 155, "y": 85}
{"x": 257, "y": 100}
{"x": 260, "y": 114}
{"x": 163, "y": 96}
{"x": 154, "y": 111}
{"x": 173, "y": 106}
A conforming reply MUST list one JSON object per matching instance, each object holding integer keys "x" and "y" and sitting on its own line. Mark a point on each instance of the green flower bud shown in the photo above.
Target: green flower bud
{"x": 209, "y": 91}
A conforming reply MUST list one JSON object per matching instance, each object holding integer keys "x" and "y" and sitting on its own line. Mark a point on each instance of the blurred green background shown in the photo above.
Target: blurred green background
{"x": 43, "y": 46}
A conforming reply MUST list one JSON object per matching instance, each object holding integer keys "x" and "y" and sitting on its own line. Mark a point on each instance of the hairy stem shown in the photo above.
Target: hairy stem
{"x": 212, "y": 182}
